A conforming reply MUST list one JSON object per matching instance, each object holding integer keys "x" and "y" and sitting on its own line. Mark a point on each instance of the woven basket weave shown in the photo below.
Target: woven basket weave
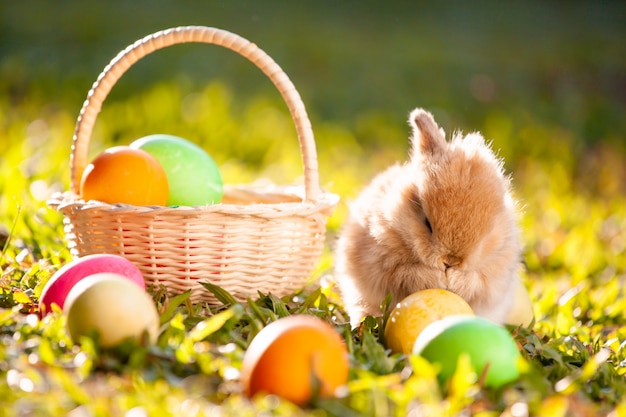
{"x": 257, "y": 239}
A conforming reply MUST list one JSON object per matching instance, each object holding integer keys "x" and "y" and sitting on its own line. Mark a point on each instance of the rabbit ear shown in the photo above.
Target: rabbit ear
{"x": 428, "y": 138}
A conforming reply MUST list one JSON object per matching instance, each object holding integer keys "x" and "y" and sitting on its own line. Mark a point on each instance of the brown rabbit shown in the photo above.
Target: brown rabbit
{"x": 444, "y": 219}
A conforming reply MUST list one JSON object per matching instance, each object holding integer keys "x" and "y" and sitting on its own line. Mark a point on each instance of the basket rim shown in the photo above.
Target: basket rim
{"x": 326, "y": 202}
{"x": 198, "y": 34}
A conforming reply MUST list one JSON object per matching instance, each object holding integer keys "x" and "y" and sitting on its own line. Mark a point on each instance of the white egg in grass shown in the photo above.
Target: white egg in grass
{"x": 109, "y": 308}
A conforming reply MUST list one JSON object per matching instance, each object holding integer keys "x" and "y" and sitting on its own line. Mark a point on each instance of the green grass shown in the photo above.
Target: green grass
{"x": 556, "y": 118}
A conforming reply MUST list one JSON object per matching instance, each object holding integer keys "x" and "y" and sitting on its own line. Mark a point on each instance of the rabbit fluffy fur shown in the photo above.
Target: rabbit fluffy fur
{"x": 444, "y": 219}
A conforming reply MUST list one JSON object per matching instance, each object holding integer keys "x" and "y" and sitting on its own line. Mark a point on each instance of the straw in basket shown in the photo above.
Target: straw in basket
{"x": 267, "y": 239}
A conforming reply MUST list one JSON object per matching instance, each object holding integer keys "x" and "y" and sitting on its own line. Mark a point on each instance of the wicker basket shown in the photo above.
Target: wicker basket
{"x": 257, "y": 239}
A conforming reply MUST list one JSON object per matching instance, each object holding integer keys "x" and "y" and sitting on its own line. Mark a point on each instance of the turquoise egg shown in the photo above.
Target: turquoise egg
{"x": 490, "y": 347}
{"x": 194, "y": 178}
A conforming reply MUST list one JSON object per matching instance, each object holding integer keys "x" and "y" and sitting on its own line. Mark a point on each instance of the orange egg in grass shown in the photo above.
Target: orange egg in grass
{"x": 296, "y": 357}
{"x": 124, "y": 175}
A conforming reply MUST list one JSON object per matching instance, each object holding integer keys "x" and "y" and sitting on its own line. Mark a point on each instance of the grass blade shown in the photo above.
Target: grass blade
{"x": 221, "y": 294}
{"x": 172, "y": 305}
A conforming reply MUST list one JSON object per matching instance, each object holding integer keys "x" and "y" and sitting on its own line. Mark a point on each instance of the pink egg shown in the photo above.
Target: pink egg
{"x": 64, "y": 279}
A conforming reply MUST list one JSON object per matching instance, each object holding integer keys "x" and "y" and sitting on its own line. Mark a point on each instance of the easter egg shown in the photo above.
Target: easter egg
{"x": 194, "y": 178}
{"x": 489, "y": 346}
{"x": 59, "y": 285}
{"x": 295, "y": 357}
{"x": 125, "y": 175}
{"x": 109, "y": 308}
{"x": 521, "y": 313}
{"x": 411, "y": 315}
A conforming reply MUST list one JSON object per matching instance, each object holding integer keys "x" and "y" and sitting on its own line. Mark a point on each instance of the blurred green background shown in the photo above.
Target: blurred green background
{"x": 554, "y": 63}
{"x": 545, "y": 81}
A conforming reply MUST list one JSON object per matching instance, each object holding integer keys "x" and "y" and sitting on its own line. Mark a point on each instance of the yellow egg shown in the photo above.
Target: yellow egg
{"x": 522, "y": 311}
{"x": 411, "y": 315}
{"x": 110, "y": 308}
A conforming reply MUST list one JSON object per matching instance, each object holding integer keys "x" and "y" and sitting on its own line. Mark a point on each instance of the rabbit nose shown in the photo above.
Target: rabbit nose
{"x": 450, "y": 261}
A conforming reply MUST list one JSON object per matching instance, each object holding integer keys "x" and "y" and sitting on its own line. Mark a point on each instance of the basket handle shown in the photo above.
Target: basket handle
{"x": 133, "y": 53}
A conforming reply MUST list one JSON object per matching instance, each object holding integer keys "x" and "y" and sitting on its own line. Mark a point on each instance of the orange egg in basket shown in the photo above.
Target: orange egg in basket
{"x": 296, "y": 357}
{"x": 127, "y": 176}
